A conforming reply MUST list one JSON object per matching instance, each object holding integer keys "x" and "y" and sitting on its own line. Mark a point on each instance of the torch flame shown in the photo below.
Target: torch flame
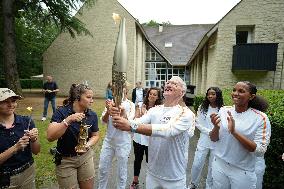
{"x": 30, "y": 109}
{"x": 116, "y": 17}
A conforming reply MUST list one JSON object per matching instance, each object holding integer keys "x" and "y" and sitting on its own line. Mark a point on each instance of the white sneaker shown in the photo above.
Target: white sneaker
{"x": 43, "y": 118}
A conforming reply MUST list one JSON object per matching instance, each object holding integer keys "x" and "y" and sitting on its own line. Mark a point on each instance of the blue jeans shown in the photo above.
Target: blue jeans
{"x": 45, "y": 105}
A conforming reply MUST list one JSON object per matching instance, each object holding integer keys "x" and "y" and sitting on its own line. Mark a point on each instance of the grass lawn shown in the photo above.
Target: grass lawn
{"x": 45, "y": 169}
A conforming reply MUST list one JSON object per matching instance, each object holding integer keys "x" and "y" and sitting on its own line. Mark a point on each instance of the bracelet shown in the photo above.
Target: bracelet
{"x": 65, "y": 123}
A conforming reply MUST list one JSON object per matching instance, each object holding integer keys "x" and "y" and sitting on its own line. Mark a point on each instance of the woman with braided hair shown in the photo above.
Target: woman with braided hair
{"x": 74, "y": 170}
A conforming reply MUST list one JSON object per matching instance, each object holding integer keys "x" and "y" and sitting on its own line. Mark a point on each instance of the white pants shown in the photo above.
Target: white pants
{"x": 198, "y": 163}
{"x": 108, "y": 152}
{"x": 259, "y": 171}
{"x": 227, "y": 176}
{"x": 156, "y": 183}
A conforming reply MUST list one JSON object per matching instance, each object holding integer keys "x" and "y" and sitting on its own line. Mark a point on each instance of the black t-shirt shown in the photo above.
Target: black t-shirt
{"x": 50, "y": 86}
{"x": 9, "y": 137}
{"x": 67, "y": 142}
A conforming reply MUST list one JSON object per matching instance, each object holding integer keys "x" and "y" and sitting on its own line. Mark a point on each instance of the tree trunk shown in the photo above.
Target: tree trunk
{"x": 9, "y": 49}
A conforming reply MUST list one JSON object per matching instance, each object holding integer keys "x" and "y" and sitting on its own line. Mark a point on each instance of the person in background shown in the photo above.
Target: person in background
{"x": 50, "y": 89}
{"x": 240, "y": 134}
{"x": 74, "y": 170}
{"x": 140, "y": 142}
{"x": 212, "y": 103}
{"x": 138, "y": 93}
{"x": 18, "y": 141}
{"x": 116, "y": 144}
{"x": 168, "y": 126}
{"x": 109, "y": 91}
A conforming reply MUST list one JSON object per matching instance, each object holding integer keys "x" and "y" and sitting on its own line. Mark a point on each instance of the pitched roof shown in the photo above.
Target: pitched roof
{"x": 184, "y": 39}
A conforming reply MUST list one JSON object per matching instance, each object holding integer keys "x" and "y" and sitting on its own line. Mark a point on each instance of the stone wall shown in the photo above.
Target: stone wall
{"x": 267, "y": 18}
{"x": 89, "y": 58}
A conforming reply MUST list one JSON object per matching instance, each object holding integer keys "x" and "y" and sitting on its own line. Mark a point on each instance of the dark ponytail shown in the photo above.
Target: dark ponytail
{"x": 75, "y": 93}
{"x": 258, "y": 102}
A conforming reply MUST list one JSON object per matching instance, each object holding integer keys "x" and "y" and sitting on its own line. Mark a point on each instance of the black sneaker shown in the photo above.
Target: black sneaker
{"x": 134, "y": 185}
{"x": 52, "y": 150}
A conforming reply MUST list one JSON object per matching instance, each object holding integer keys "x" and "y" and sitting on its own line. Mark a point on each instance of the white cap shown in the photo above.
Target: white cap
{"x": 6, "y": 93}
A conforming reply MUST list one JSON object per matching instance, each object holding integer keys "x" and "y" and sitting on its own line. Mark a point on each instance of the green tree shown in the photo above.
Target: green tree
{"x": 154, "y": 23}
{"x": 58, "y": 12}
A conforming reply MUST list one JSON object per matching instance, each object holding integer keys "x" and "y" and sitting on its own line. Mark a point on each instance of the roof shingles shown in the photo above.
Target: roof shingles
{"x": 184, "y": 39}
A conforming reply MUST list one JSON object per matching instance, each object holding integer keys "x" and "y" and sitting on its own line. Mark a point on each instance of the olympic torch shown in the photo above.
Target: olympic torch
{"x": 119, "y": 66}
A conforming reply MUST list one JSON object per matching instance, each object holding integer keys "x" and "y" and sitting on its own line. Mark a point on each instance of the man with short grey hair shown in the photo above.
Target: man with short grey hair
{"x": 168, "y": 125}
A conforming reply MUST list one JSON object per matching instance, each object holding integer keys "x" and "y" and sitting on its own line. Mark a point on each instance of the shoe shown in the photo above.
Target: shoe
{"x": 52, "y": 150}
{"x": 134, "y": 185}
{"x": 192, "y": 186}
{"x": 43, "y": 118}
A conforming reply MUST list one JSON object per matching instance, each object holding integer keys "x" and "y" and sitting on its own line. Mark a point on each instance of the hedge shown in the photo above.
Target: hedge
{"x": 25, "y": 83}
{"x": 274, "y": 173}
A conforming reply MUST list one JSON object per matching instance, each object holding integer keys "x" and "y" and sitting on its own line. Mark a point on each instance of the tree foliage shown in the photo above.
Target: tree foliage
{"x": 154, "y": 23}
{"x": 28, "y": 27}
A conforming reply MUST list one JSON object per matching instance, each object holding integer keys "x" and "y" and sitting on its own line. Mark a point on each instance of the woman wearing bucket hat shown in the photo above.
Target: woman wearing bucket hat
{"x": 18, "y": 141}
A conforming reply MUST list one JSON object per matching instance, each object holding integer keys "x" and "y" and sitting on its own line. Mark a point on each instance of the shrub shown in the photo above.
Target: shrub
{"x": 25, "y": 83}
{"x": 274, "y": 173}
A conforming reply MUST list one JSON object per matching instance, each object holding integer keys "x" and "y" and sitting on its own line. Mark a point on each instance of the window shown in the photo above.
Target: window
{"x": 244, "y": 34}
{"x": 157, "y": 70}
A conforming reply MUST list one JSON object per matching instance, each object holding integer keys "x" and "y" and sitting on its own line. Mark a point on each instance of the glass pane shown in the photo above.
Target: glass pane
{"x": 175, "y": 71}
{"x": 157, "y": 84}
{"x": 163, "y": 77}
{"x": 169, "y": 71}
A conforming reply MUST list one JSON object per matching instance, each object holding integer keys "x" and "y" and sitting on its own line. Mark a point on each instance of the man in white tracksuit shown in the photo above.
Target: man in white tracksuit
{"x": 116, "y": 143}
{"x": 168, "y": 125}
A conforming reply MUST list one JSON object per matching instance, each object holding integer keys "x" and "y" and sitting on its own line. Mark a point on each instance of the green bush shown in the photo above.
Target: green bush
{"x": 197, "y": 102}
{"x": 274, "y": 173}
{"x": 31, "y": 84}
{"x": 25, "y": 83}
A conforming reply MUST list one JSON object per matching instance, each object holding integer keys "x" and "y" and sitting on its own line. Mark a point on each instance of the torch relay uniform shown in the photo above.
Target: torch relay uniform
{"x": 19, "y": 170}
{"x": 74, "y": 167}
{"x": 259, "y": 171}
{"x": 168, "y": 144}
{"x": 233, "y": 165}
{"x": 117, "y": 144}
{"x": 204, "y": 146}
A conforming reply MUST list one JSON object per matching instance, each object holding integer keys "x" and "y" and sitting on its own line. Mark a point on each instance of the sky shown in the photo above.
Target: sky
{"x": 179, "y": 12}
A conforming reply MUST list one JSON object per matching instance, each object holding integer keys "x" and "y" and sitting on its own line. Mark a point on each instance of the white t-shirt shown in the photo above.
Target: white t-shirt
{"x": 204, "y": 124}
{"x": 138, "y": 138}
{"x": 116, "y": 136}
{"x": 167, "y": 151}
{"x": 254, "y": 125}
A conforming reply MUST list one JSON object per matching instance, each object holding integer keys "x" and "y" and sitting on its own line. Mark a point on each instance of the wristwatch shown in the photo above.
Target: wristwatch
{"x": 133, "y": 126}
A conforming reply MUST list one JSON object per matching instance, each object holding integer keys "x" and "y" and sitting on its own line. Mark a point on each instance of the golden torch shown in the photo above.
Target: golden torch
{"x": 119, "y": 66}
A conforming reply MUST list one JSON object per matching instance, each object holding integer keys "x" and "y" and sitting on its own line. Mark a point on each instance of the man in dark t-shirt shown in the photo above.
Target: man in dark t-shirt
{"x": 50, "y": 89}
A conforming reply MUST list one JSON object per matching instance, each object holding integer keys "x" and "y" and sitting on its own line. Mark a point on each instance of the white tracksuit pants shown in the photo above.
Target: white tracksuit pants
{"x": 156, "y": 183}
{"x": 197, "y": 166}
{"x": 227, "y": 176}
{"x": 259, "y": 171}
{"x": 121, "y": 152}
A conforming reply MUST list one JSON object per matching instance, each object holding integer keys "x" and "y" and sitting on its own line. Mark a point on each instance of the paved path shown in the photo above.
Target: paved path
{"x": 112, "y": 180}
